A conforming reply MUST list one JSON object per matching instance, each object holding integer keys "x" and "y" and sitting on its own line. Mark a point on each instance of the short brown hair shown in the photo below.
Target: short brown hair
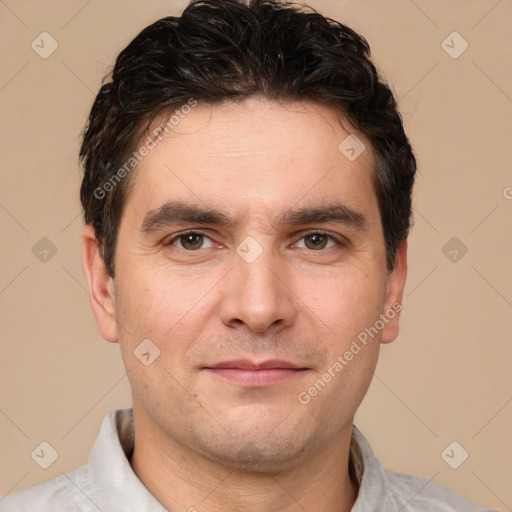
{"x": 228, "y": 50}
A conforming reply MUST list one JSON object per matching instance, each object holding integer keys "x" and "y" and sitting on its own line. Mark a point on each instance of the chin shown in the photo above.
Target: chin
{"x": 256, "y": 447}
{"x": 259, "y": 457}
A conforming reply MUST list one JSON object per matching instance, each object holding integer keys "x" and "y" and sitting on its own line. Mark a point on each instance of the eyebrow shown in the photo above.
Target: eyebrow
{"x": 179, "y": 212}
{"x": 337, "y": 213}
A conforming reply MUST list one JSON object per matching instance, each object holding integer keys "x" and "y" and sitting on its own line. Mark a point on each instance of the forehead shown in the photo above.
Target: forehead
{"x": 257, "y": 154}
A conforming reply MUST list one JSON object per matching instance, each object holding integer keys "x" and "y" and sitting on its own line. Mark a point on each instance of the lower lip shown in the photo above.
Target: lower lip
{"x": 264, "y": 377}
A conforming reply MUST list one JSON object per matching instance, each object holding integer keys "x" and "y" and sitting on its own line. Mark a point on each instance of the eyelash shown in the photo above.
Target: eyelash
{"x": 339, "y": 242}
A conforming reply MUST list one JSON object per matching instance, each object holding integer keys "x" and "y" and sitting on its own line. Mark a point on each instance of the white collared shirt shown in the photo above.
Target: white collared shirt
{"x": 108, "y": 484}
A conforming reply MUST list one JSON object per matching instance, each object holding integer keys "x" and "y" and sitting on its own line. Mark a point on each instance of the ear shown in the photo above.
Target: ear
{"x": 394, "y": 293}
{"x": 101, "y": 285}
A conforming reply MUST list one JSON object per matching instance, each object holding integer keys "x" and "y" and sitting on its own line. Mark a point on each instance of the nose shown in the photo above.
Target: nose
{"x": 258, "y": 294}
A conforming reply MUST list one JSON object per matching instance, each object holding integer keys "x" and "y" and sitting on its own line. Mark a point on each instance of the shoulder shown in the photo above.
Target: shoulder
{"x": 416, "y": 494}
{"x": 393, "y": 492}
{"x": 57, "y": 495}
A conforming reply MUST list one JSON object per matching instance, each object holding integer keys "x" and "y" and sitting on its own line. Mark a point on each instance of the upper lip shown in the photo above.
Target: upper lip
{"x": 246, "y": 364}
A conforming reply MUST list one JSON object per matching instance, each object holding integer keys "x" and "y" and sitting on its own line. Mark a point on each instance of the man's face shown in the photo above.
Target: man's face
{"x": 271, "y": 281}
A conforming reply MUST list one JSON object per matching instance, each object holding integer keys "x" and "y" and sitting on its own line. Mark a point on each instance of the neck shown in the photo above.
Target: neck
{"x": 181, "y": 479}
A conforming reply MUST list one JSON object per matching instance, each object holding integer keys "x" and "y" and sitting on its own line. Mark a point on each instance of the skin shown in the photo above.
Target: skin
{"x": 203, "y": 440}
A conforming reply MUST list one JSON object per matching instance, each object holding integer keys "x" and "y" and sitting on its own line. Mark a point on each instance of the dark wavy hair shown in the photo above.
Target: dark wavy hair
{"x": 229, "y": 50}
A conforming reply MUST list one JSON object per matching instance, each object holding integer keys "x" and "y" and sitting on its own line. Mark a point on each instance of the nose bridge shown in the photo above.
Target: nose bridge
{"x": 256, "y": 293}
{"x": 260, "y": 276}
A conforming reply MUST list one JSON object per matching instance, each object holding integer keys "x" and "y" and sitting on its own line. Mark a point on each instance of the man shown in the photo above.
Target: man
{"x": 247, "y": 198}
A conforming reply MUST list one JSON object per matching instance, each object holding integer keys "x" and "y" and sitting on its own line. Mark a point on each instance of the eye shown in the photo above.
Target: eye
{"x": 194, "y": 241}
{"x": 191, "y": 241}
{"x": 318, "y": 240}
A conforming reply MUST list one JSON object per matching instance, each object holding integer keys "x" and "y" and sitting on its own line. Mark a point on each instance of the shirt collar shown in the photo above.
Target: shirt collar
{"x": 116, "y": 486}
{"x": 374, "y": 486}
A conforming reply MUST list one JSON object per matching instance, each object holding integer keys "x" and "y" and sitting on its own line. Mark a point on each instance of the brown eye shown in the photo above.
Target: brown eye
{"x": 191, "y": 241}
{"x": 316, "y": 241}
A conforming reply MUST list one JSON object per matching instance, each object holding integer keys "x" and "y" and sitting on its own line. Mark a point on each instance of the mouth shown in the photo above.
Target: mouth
{"x": 251, "y": 373}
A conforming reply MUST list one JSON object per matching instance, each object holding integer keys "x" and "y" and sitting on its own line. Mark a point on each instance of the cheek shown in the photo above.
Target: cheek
{"x": 171, "y": 314}
{"x": 347, "y": 301}
{"x": 168, "y": 309}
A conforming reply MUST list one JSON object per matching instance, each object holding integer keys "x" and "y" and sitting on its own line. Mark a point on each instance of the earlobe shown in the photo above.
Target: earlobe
{"x": 101, "y": 285}
{"x": 394, "y": 294}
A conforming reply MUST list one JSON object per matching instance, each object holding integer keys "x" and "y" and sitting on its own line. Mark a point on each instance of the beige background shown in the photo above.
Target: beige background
{"x": 447, "y": 378}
